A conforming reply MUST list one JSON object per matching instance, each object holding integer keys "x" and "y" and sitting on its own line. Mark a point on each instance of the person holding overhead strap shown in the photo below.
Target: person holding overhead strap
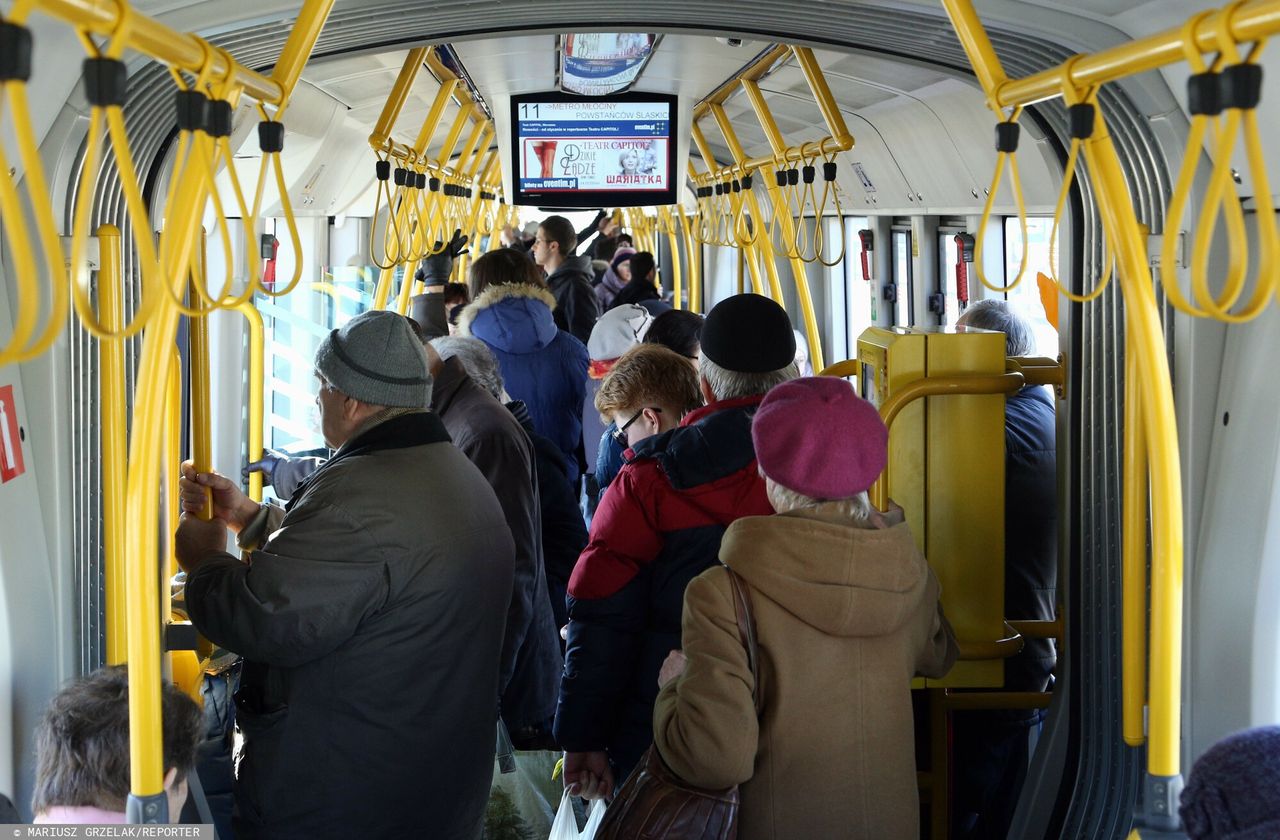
{"x": 370, "y": 611}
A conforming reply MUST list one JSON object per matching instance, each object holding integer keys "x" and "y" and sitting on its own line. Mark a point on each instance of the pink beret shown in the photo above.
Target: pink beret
{"x": 817, "y": 437}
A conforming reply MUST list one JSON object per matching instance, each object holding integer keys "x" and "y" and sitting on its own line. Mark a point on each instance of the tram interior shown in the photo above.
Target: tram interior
{"x": 916, "y": 175}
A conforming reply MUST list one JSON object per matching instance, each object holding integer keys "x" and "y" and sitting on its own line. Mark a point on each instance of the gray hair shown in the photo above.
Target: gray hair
{"x": 476, "y": 358}
{"x": 728, "y": 384}
{"x": 857, "y": 508}
{"x": 995, "y": 315}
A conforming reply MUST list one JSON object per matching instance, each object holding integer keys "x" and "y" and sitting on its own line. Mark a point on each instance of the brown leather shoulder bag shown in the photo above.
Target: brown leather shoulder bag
{"x": 656, "y": 804}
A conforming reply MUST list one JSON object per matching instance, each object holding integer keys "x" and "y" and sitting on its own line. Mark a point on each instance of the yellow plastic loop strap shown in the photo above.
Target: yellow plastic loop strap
{"x": 746, "y": 229}
{"x": 1074, "y": 97}
{"x": 144, "y": 242}
{"x": 986, "y": 215}
{"x": 807, "y": 245}
{"x": 1222, "y": 196}
{"x": 830, "y": 195}
{"x": 21, "y": 249}
{"x": 272, "y": 160}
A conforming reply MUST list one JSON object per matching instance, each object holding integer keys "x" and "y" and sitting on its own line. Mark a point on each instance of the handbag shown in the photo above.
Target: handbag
{"x": 656, "y": 804}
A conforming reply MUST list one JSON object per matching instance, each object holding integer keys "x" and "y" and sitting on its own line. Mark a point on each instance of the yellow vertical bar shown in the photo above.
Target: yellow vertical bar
{"x": 198, "y": 366}
{"x": 451, "y": 139}
{"x": 256, "y": 406}
{"x": 753, "y": 263}
{"x": 172, "y": 451}
{"x": 471, "y": 148}
{"x": 673, "y": 240}
{"x": 111, "y": 408}
{"x": 398, "y": 96}
{"x": 146, "y": 764}
{"x": 1134, "y": 560}
{"x": 776, "y": 142}
{"x": 1144, "y": 336}
{"x": 822, "y": 95}
{"x": 692, "y": 251}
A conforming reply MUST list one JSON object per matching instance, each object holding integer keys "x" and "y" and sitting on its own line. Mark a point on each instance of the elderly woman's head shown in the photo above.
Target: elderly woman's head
{"x": 817, "y": 442}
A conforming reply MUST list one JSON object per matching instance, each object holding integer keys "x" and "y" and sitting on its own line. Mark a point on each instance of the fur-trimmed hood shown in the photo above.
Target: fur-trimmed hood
{"x": 513, "y": 318}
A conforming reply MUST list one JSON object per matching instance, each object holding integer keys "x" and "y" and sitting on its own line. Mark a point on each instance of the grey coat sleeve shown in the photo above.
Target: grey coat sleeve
{"x": 298, "y": 598}
{"x": 429, "y": 311}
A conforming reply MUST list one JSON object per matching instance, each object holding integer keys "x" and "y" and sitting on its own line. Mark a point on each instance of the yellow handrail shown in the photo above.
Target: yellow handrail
{"x": 201, "y": 415}
{"x": 256, "y": 409}
{"x": 935, "y": 386}
{"x": 111, "y": 414}
{"x": 1133, "y": 636}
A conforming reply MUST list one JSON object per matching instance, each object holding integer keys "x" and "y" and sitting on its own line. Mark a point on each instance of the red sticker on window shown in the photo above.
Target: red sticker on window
{"x": 11, "y": 465}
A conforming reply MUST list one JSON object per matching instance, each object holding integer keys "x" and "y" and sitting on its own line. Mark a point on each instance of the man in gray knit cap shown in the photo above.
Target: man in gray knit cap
{"x": 369, "y": 610}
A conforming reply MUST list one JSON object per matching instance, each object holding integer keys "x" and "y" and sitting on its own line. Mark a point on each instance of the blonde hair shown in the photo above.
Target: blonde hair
{"x": 645, "y": 375}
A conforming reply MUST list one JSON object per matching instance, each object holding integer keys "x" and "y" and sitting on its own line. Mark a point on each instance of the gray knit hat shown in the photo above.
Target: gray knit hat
{"x": 377, "y": 359}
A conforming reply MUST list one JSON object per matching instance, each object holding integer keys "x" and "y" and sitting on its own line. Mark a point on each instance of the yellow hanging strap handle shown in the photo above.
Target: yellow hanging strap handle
{"x": 1082, "y": 112}
{"x": 808, "y": 245}
{"x": 788, "y": 180}
{"x": 196, "y": 121}
{"x": 271, "y": 142}
{"x": 106, "y": 80}
{"x": 1006, "y": 148}
{"x": 15, "y": 61}
{"x": 746, "y": 230}
{"x": 1238, "y": 86}
{"x": 382, "y": 198}
{"x": 830, "y": 194}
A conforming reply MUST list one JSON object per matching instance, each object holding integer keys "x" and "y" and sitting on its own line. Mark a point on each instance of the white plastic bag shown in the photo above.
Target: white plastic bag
{"x": 565, "y": 826}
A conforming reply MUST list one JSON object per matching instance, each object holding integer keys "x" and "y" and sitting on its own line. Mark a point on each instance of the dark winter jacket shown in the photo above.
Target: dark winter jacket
{"x": 494, "y": 441}
{"x": 564, "y": 534}
{"x": 371, "y": 623}
{"x": 1030, "y": 530}
{"x": 637, "y": 291}
{"x": 608, "y": 459}
{"x": 577, "y": 308}
{"x": 657, "y": 528}
{"x": 543, "y": 366}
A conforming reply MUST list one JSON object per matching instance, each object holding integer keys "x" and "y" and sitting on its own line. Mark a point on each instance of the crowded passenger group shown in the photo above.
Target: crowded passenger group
{"x": 561, "y": 519}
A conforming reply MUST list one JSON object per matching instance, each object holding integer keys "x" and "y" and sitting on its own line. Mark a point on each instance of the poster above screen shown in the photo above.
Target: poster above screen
{"x": 601, "y": 63}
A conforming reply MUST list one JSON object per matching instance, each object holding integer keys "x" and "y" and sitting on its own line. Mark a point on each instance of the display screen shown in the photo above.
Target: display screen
{"x": 572, "y": 151}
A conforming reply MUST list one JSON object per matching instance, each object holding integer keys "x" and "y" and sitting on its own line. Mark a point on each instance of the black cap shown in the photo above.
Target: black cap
{"x": 748, "y": 334}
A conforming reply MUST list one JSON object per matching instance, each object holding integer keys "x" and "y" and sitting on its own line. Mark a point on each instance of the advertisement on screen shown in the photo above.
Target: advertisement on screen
{"x": 571, "y": 148}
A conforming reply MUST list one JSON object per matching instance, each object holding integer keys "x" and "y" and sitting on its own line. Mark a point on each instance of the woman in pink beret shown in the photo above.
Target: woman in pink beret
{"x": 846, "y": 612}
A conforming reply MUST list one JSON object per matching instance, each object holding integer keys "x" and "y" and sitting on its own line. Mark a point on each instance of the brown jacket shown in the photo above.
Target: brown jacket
{"x": 845, "y": 617}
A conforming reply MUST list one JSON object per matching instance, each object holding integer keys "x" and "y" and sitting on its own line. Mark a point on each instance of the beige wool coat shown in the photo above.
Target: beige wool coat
{"x": 845, "y": 617}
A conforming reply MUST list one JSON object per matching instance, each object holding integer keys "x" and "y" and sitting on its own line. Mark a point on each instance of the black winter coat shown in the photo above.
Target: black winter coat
{"x": 371, "y": 626}
{"x": 494, "y": 441}
{"x": 577, "y": 307}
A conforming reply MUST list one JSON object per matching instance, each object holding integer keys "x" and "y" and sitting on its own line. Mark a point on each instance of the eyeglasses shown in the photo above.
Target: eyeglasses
{"x": 620, "y": 433}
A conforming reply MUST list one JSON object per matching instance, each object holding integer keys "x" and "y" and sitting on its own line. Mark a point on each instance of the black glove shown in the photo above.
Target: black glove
{"x": 437, "y": 268}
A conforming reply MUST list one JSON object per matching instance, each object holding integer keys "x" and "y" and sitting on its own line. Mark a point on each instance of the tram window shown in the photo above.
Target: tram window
{"x": 948, "y": 255}
{"x": 904, "y": 311}
{"x": 863, "y": 300}
{"x": 1025, "y": 298}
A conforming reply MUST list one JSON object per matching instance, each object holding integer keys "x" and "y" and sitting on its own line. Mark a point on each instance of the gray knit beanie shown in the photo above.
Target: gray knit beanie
{"x": 376, "y": 359}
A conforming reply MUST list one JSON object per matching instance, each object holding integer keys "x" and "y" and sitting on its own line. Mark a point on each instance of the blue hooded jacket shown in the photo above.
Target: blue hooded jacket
{"x": 541, "y": 365}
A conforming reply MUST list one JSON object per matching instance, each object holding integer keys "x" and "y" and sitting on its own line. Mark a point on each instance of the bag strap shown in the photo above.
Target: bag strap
{"x": 746, "y": 631}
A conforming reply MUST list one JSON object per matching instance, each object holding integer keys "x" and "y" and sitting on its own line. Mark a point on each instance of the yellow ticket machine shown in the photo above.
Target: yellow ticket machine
{"x": 946, "y": 469}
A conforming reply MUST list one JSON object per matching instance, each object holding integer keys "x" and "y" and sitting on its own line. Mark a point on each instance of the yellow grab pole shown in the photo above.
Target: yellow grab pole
{"x": 111, "y": 410}
{"x": 1143, "y": 335}
{"x": 1250, "y": 21}
{"x": 822, "y": 95}
{"x": 789, "y": 226}
{"x": 1143, "y": 330}
{"x": 146, "y": 766}
{"x": 753, "y": 261}
{"x": 398, "y": 96}
{"x": 673, "y": 240}
{"x": 256, "y": 406}
{"x": 198, "y": 367}
{"x": 173, "y": 450}
{"x": 693, "y": 253}
{"x": 762, "y": 246}
{"x": 1134, "y": 560}
{"x": 432, "y": 120}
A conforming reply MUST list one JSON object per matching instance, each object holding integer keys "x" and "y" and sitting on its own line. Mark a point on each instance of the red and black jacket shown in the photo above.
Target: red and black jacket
{"x": 657, "y": 528}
